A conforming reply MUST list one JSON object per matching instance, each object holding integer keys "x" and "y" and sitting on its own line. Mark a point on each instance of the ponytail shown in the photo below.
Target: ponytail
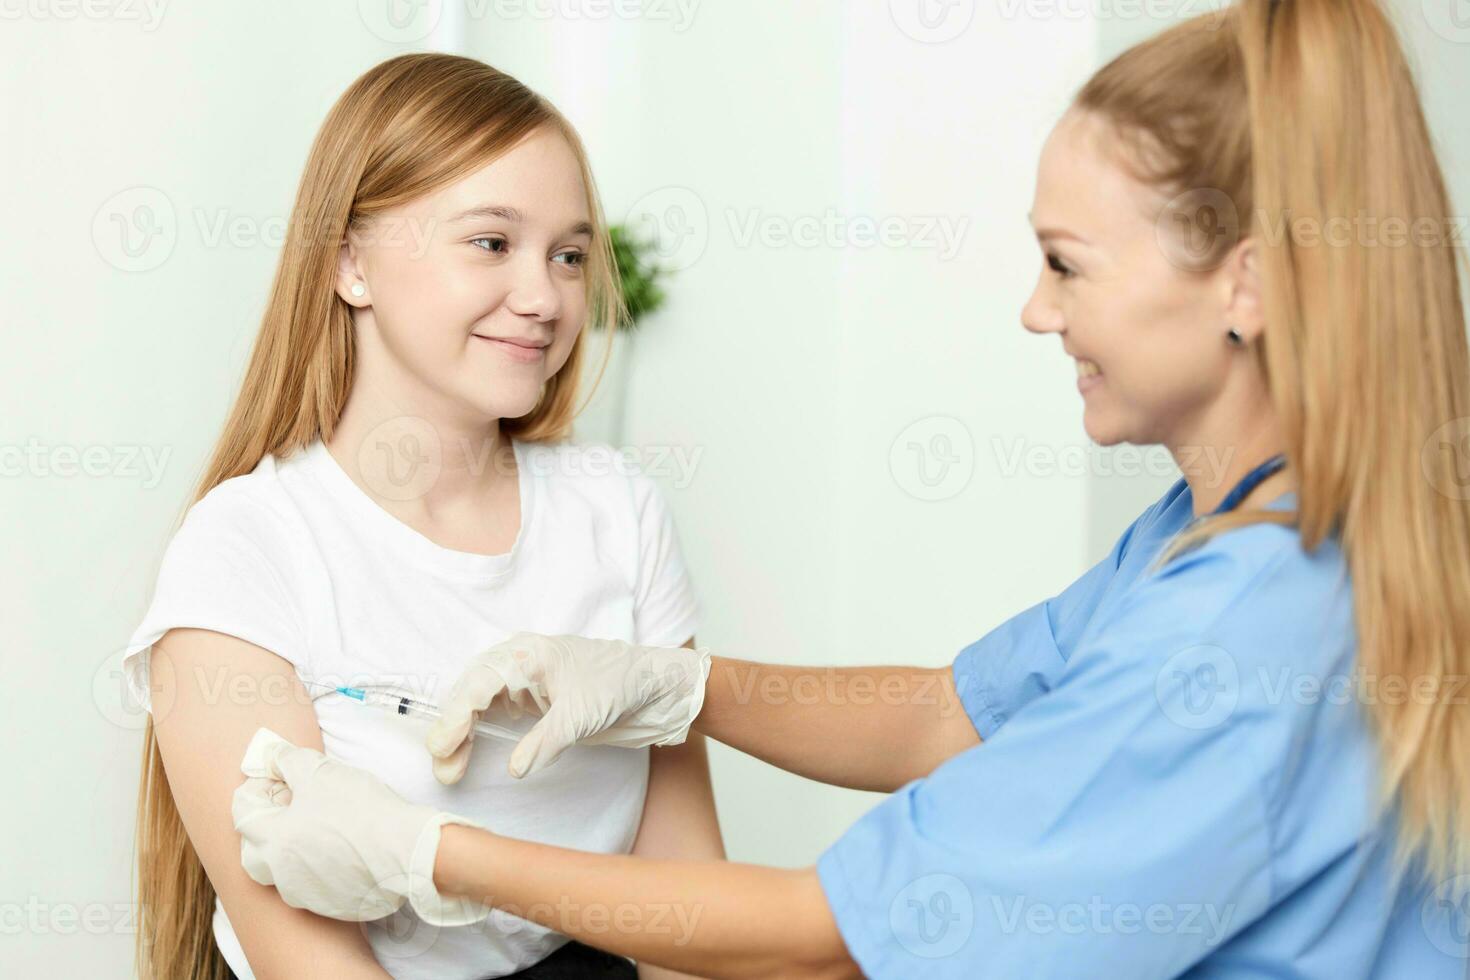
{"x": 1309, "y": 121}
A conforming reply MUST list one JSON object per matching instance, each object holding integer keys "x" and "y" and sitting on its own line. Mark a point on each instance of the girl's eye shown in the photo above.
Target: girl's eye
{"x": 497, "y": 245}
{"x": 574, "y": 259}
{"x": 1056, "y": 266}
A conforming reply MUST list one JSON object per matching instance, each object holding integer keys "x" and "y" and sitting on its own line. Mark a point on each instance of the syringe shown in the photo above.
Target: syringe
{"x": 404, "y": 705}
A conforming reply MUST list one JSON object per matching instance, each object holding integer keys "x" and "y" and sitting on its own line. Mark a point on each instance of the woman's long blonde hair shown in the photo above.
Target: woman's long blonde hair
{"x": 404, "y": 129}
{"x": 1302, "y": 116}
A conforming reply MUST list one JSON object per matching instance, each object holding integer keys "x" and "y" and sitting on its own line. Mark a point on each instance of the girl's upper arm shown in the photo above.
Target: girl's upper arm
{"x": 216, "y": 691}
{"x": 679, "y": 819}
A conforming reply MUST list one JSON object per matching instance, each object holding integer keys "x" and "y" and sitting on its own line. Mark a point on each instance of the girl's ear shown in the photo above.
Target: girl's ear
{"x": 351, "y": 286}
{"x": 1245, "y": 308}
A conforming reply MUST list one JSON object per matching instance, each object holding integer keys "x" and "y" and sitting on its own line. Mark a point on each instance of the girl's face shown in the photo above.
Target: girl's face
{"x": 1148, "y": 335}
{"x": 475, "y": 293}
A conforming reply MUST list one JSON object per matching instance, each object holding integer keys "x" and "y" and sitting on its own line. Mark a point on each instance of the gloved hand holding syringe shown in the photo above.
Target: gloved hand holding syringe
{"x": 402, "y": 704}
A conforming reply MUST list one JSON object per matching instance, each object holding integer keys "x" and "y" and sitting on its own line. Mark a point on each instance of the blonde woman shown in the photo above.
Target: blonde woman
{"x": 1240, "y": 745}
{"x": 391, "y": 496}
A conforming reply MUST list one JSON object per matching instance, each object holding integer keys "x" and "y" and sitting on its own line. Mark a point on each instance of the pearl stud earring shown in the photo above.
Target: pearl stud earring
{"x": 358, "y": 289}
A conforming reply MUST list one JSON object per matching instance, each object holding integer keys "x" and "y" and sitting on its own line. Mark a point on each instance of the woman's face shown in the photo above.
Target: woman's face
{"x": 475, "y": 293}
{"x": 1148, "y": 335}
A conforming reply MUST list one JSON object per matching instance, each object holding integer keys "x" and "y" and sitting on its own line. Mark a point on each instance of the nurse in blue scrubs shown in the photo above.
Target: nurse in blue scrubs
{"x": 1234, "y": 748}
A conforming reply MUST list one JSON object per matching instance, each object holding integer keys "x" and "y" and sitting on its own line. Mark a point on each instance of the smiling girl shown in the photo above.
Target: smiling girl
{"x": 390, "y": 496}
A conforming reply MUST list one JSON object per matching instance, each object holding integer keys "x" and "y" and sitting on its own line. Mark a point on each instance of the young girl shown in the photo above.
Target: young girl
{"x": 1240, "y": 745}
{"x": 388, "y": 498}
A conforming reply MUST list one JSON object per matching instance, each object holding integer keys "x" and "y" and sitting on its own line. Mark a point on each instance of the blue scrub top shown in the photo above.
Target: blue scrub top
{"x": 1176, "y": 779}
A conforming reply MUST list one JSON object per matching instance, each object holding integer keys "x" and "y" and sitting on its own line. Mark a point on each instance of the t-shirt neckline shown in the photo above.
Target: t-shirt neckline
{"x": 463, "y": 566}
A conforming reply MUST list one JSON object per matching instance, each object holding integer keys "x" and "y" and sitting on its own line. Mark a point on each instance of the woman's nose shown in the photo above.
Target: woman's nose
{"x": 1040, "y": 315}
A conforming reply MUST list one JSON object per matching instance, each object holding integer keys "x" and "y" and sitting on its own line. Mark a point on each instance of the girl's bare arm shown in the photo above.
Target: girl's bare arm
{"x": 210, "y": 693}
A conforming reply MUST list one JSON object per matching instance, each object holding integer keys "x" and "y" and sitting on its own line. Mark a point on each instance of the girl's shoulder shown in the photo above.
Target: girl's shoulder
{"x": 255, "y": 504}
{"x": 245, "y": 524}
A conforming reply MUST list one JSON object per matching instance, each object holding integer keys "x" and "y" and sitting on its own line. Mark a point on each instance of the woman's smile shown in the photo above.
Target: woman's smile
{"x": 1089, "y": 375}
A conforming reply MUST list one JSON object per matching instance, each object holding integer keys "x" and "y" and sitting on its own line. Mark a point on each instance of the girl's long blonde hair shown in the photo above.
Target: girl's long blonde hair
{"x": 1303, "y": 119}
{"x": 404, "y": 129}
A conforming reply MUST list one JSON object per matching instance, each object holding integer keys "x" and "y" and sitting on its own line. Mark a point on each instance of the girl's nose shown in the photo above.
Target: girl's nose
{"x": 534, "y": 294}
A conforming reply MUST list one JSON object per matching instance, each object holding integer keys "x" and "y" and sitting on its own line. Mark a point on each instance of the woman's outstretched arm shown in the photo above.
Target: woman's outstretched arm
{"x": 709, "y": 918}
{"x": 328, "y": 843}
{"x": 872, "y": 728}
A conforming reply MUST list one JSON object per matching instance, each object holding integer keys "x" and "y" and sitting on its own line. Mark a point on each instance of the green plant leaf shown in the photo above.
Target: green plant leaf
{"x": 639, "y": 273}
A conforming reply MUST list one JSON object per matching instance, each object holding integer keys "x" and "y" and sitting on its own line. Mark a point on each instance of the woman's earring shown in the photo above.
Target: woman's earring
{"x": 358, "y": 289}
{"x": 1235, "y": 338}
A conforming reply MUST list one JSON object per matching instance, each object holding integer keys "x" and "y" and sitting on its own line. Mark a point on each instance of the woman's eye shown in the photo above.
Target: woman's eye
{"x": 497, "y": 246}
{"x": 573, "y": 259}
{"x": 1056, "y": 266}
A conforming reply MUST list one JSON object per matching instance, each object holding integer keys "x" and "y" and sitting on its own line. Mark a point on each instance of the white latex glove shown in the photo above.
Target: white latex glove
{"x": 335, "y": 840}
{"x": 598, "y": 692}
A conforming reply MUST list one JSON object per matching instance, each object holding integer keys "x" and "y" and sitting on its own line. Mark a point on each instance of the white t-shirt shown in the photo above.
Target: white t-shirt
{"x": 295, "y": 558}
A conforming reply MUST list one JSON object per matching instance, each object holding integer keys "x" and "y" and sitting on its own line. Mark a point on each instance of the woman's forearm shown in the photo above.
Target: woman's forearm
{"x": 711, "y": 918}
{"x": 873, "y": 728}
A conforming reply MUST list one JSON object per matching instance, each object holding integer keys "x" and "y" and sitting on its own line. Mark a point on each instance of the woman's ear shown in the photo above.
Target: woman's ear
{"x": 350, "y": 284}
{"x": 1245, "y": 307}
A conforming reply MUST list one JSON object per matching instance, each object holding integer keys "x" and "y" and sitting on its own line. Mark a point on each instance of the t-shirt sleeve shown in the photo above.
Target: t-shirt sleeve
{"x": 1109, "y": 829}
{"x": 227, "y": 569}
{"x": 1022, "y": 658}
{"x": 665, "y": 605}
